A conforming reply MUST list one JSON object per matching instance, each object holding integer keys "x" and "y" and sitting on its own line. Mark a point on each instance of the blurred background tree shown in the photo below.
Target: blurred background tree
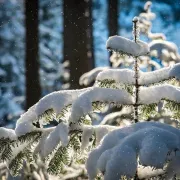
{"x": 113, "y": 12}
{"x": 78, "y": 41}
{"x": 33, "y": 87}
{"x": 65, "y": 30}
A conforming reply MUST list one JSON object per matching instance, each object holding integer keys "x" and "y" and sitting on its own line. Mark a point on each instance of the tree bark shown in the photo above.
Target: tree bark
{"x": 78, "y": 42}
{"x": 33, "y": 88}
{"x": 112, "y": 19}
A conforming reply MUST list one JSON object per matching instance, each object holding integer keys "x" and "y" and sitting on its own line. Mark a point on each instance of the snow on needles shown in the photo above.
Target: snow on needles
{"x": 126, "y": 76}
{"x": 126, "y": 46}
{"x": 59, "y": 134}
{"x": 117, "y": 154}
{"x": 99, "y": 130}
{"x": 56, "y": 101}
{"x": 154, "y": 94}
{"x": 82, "y": 100}
{"x": 175, "y": 71}
{"x": 90, "y": 76}
{"x": 7, "y": 133}
{"x": 83, "y": 105}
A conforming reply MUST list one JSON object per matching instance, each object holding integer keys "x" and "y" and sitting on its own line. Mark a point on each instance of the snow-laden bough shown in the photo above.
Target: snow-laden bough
{"x": 55, "y": 101}
{"x": 126, "y": 46}
{"x": 119, "y": 151}
{"x": 83, "y": 105}
{"x": 126, "y": 76}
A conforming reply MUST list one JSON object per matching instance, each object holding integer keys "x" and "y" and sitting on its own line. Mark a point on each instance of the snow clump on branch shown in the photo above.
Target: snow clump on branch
{"x": 126, "y": 46}
{"x": 117, "y": 155}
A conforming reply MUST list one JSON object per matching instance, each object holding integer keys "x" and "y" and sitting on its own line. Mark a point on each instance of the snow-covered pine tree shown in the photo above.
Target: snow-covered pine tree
{"x": 160, "y": 48}
{"x": 162, "y": 51}
{"x": 118, "y": 154}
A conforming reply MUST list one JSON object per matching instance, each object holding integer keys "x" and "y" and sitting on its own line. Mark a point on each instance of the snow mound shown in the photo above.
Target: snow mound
{"x": 175, "y": 71}
{"x": 117, "y": 154}
{"x": 58, "y": 135}
{"x": 154, "y": 94}
{"x": 99, "y": 131}
{"x": 90, "y": 76}
{"x": 83, "y": 105}
{"x": 160, "y": 45}
{"x": 7, "y": 133}
{"x": 126, "y": 46}
{"x": 126, "y": 76}
{"x": 56, "y": 101}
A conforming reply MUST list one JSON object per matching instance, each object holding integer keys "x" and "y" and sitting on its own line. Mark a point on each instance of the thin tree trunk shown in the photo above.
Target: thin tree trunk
{"x": 112, "y": 19}
{"x": 78, "y": 38}
{"x": 33, "y": 88}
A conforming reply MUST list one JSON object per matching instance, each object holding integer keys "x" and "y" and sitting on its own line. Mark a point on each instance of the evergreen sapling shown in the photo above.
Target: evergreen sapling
{"x": 118, "y": 152}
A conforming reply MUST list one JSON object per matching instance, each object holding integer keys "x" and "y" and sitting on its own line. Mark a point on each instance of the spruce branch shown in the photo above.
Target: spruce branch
{"x": 63, "y": 155}
{"x": 148, "y": 111}
{"x": 6, "y": 148}
{"x": 48, "y": 116}
{"x": 174, "y": 107}
{"x": 31, "y": 136}
{"x": 17, "y": 163}
{"x": 26, "y": 154}
{"x": 110, "y": 83}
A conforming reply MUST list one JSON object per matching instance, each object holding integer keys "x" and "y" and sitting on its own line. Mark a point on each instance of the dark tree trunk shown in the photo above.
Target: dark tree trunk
{"x": 112, "y": 18}
{"x": 33, "y": 88}
{"x": 78, "y": 38}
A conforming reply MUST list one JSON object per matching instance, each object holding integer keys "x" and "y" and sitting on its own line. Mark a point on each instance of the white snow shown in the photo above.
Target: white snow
{"x": 156, "y": 76}
{"x": 101, "y": 131}
{"x": 155, "y": 64}
{"x": 147, "y": 6}
{"x": 117, "y": 153}
{"x": 56, "y": 101}
{"x": 148, "y": 14}
{"x": 111, "y": 117}
{"x": 86, "y": 135}
{"x": 58, "y": 135}
{"x": 83, "y": 105}
{"x": 148, "y": 172}
{"x": 119, "y": 75}
{"x": 7, "y": 133}
{"x": 160, "y": 45}
{"x": 155, "y": 36}
{"x": 40, "y": 145}
{"x": 154, "y": 94}
{"x": 24, "y": 124}
{"x": 175, "y": 71}
{"x": 121, "y": 162}
{"x": 103, "y": 159}
{"x": 126, "y": 76}
{"x": 16, "y": 149}
{"x": 98, "y": 130}
{"x": 126, "y": 46}
{"x": 90, "y": 76}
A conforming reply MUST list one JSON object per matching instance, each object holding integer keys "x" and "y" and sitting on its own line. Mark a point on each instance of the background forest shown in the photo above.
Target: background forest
{"x": 71, "y": 107}
{"x": 50, "y": 44}
{"x": 53, "y": 74}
